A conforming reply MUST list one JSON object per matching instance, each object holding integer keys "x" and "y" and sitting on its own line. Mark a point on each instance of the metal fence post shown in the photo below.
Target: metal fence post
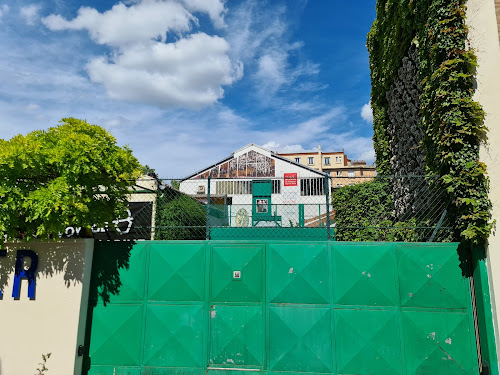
{"x": 208, "y": 210}
{"x": 327, "y": 194}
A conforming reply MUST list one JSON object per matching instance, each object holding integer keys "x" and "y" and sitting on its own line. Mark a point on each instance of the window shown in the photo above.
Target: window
{"x": 233, "y": 187}
{"x": 262, "y": 206}
{"x": 338, "y": 159}
{"x": 276, "y": 187}
{"x": 297, "y": 160}
{"x": 361, "y": 172}
{"x": 327, "y": 161}
{"x": 312, "y": 186}
{"x": 310, "y": 160}
{"x": 242, "y": 187}
{"x": 350, "y": 173}
{"x": 339, "y": 173}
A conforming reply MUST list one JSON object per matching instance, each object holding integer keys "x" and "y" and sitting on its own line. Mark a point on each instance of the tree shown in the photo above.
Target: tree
{"x": 179, "y": 217}
{"x": 73, "y": 174}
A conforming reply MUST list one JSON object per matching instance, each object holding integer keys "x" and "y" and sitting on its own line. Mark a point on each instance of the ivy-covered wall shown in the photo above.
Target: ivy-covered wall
{"x": 451, "y": 122}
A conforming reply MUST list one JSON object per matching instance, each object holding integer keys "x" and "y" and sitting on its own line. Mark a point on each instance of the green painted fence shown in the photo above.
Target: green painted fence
{"x": 280, "y": 307}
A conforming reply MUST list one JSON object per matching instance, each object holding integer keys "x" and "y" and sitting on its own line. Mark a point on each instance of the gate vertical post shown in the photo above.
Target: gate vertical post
{"x": 327, "y": 195}
{"x": 207, "y": 226}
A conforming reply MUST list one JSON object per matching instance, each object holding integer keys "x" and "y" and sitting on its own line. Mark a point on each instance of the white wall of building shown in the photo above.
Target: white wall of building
{"x": 284, "y": 204}
{"x": 484, "y": 40}
{"x": 54, "y": 321}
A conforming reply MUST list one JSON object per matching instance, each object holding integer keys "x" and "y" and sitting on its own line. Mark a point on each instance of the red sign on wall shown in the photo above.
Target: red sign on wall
{"x": 290, "y": 179}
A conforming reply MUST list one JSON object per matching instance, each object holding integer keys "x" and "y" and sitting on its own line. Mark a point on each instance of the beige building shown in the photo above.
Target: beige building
{"x": 483, "y": 19}
{"x": 343, "y": 170}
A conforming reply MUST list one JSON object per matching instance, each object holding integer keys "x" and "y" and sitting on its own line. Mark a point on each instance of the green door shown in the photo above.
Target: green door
{"x": 192, "y": 307}
{"x": 236, "y": 307}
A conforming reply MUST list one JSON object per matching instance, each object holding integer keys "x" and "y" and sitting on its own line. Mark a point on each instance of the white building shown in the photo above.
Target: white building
{"x": 295, "y": 188}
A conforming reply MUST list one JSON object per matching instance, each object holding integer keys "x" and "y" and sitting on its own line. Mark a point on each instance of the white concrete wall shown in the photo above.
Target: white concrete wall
{"x": 54, "y": 321}
{"x": 481, "y": 19}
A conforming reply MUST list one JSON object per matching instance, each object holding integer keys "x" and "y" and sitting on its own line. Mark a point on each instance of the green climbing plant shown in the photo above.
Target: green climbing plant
{"x": 452, "y": 122}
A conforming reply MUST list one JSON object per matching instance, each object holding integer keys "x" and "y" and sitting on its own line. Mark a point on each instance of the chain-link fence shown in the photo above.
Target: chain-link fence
{"x": 394, "y": 208}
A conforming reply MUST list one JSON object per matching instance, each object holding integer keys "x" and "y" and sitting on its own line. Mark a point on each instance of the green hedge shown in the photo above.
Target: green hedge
{"x": 179, "y": 217}
{"x": 363, "y": 212}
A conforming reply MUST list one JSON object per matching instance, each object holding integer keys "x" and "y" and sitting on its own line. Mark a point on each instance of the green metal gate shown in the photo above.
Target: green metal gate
{"x": 272, "y": 306}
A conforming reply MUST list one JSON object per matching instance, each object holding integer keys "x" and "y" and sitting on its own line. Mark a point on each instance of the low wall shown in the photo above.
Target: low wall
{"x": 49, "y": 315}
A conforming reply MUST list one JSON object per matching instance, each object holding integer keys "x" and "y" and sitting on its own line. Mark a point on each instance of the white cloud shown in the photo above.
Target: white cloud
{"x": 285, "y": 148}
{"x": 188, "y": 73}
{"x": 259, "y": 36}
{"x": 366, "y": 113}
{"x": 30, "y": 13}
{"x": 32, "y": 107}
{"x": 153, "y": 61}
{"x": 4, "y": 9}
{"x": 214, "y": 8}
{"x": 123, "y": 25}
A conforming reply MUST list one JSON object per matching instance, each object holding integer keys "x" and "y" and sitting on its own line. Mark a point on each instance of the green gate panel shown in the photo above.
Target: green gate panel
{"x": 430, "y": 276}
{"x": 299, "y": 274}
{"x": 174, "y": 336}
{"x": 114, "y": 370}
{"x": 116, "y": 335}
{"x": 438, "y": 343}
{"x": 274, "y": 307}
{"x": 132, "y": 279}
{"x": 301, "y": 339}
{"x": 249, "y": 261}
{"x": 365, "y": 275}
{"x": 236, "y": 336}
{"x": 368, "y": 342}
{"x": 176, "y": 272}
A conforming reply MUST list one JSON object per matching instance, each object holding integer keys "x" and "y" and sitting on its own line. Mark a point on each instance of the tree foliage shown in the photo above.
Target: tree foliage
{"x": 363, "y": 212}
{"x": 179, "y": 217}
{"x": 73, "y": 174}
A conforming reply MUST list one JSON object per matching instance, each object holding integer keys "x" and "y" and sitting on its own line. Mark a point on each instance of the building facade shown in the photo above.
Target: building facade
{"x": 342, "y": 170}
{"x": 297, "y": 195}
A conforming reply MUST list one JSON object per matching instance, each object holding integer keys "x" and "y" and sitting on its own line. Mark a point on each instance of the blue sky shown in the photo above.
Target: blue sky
{"x": 186, "y": 82}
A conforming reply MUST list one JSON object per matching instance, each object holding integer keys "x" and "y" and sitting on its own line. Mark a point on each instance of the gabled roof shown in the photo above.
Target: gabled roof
{"x": 273, "y": 154}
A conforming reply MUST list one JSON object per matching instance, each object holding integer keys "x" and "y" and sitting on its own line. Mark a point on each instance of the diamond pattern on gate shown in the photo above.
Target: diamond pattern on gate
{"x": 299, "y": 274}
{"x": 438, "y": 340}
{"x": 132, "y": 277}
{"x": 236, "y": 336}
{"x": 116, "y": 335}
{"x": 300, "y": 339}
{"x": 174, "y": 336}
{"x": 177, "y": 273}
{"x": 248, "y": 260}
{"x": 364, "y": 275}
{"x": 368, "y": 342}
{"x": 431, "y": 277}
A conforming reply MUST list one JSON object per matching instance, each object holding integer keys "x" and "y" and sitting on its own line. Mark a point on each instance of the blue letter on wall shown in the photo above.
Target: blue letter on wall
{"x": 3, "y": 253}
{"x": 20, "y": 273}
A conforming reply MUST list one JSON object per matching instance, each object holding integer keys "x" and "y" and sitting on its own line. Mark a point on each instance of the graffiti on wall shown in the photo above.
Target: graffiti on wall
{"x": 250, "y": 164}
{"x": 135, "y": 226}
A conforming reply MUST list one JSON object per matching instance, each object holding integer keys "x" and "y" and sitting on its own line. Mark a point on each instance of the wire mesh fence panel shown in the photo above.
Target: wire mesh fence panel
{"x": 384, "y": 208}
{"x": 393, "y": 208}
